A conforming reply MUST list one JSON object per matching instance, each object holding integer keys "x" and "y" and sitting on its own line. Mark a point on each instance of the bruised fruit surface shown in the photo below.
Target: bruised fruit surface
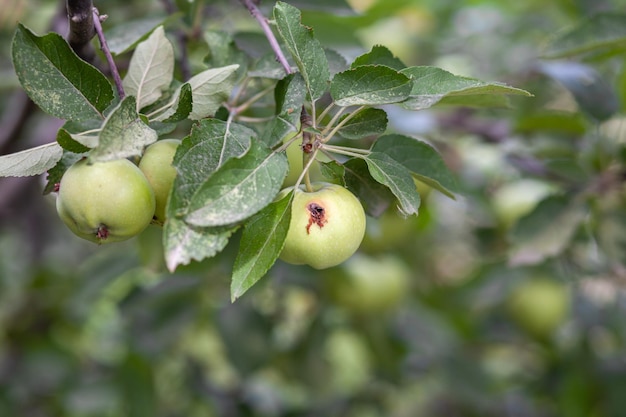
{"x": 156, "y": 165}
{"x": 327, "y": 226}
{"x": 105, "y": 201}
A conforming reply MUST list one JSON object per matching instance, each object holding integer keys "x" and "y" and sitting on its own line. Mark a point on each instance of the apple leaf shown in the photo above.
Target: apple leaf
{"x": 210, "y": 89}
{"x": 333, "y": 171}
{"x": 305, "y": 49}
{"x": 397, "y": 178}
{"x": 368, "y": 122}
{"x": 369, "y": 85}
{"x": 29, "y": 162}
{"x": 432, "y": 85}
{"x": 151, "y": 69}
{"x": 56, "y": 79}
{"x": 379, "y": 55}
{"x": 181, "y": 106}
{"x": 67, "y": 141}
{"x": 126, "y": 35}
{"x": 604, "y": 32}
{"x": 262, "y": 241}
{"x": 289, "y": 95}
{"x": 374, "y": 196}
{"x": 183, "y": 243}
{"x": 124, "y": 134}
{"x": 239, "y": 188}
{"x": 210, "y": 145}
{"x": 421, "y": 159}
{"x": 56, "y": 172}
{"x": 546, "y": 231}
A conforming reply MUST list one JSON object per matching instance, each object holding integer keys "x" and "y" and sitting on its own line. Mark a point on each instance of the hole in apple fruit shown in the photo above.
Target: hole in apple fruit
{"x": 102, "y": 232}
{"x": 317, "y": 215}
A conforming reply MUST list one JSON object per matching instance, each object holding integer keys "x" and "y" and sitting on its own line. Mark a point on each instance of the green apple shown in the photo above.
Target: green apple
{"x": 368, "y": 284}
{"x": 516, "y": 199}
{"x": 156, "y": 165}
{"x": 327, "y": 226}
{"x": 105, "y": 202}
{"x": 539, "y": 305}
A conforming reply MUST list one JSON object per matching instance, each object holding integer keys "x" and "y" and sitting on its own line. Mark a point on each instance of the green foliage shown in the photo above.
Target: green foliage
{"x": 485, "y": 141}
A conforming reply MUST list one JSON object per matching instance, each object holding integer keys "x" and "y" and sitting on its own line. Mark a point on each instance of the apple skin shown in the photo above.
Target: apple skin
{"x": 105, "y": 202}
{"x": 327, "y": 226}
{"x": 539, "y": 305}
{"x": 370, "y": 284}
{"x": 156, "y": 165}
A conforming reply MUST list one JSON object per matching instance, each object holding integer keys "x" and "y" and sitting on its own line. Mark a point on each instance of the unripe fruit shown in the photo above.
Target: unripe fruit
{"x": 156, "y": 165}
{"x": 327, "y": 226}
{"x": 368, "y": 284}
{"x": 105, "y": 202}
{"x": 539, "y": 305}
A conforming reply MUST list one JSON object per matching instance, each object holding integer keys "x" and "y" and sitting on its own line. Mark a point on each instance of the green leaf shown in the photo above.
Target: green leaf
{"x": 333, "y": 171}
{"x": 335, "y": 7}
{"x": 183, "y": 243}
{"x": 305, "y": 49}
{"x": 592, "y": 92}
{"x": 546, "y": 231}
{"x": 374, "y": 196}
{"x": 262, "y": 241}
{"x": 59, "y": 82}
{"x": 181, "y": 106}
{"x": 124, "y": 134}
{"x": 210, "y": 89}
{"x": 289, "y": 95}
{"x": 239, "y": 189}
{"x": 604, "y": 32}
{"x": 369, "y": 85}
{"x": 223, "y": 51}
{"x": 368, "y": 122}
{"x": 432, "y": 85}
{"x": 421, "y": 159}
{"x": 56, "y": 172}
{"x": 29, "y": 162}
{"x": 210, "y": 145}
{"x": 397, "y": 178}
{"x": 67, "y": 142}
{"x": 151, "y": 69}
{"x": 127, "y": 35}
{"x": 379, "y": 55}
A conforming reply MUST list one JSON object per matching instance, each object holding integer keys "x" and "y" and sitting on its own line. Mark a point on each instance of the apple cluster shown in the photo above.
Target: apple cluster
{"x": 112, "y": 201}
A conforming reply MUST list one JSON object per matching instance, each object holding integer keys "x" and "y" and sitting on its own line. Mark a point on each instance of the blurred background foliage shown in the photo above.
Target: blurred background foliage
{"x": 508, "y": 301}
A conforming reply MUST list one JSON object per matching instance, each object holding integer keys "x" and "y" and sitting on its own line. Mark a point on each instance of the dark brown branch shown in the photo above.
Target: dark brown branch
{"x": 81, "y": 30}
{"x": 107, "y": 52}
{"x": 256, "y": 13}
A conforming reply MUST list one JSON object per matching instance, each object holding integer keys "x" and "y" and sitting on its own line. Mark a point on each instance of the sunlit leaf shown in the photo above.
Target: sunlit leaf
{"x": 369, "y": 85}
{"x": 432, "y": 85}
{"x": 210, "y": 89}
{"x": 33, "y": 161}
{"x": 151, "y": 69}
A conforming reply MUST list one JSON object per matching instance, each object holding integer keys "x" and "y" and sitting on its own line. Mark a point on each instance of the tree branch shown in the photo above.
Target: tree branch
{"x": 107, "y": 52}
{"x": 81, "y": 31}
{"x": 256, "y": 13}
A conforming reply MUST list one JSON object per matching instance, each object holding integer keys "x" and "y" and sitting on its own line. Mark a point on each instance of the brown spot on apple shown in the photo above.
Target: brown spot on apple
{"x": 317, "y": 215}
